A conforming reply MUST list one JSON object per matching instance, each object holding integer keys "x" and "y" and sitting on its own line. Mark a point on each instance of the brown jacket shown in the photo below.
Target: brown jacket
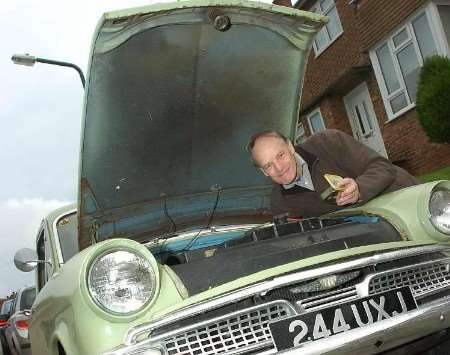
{"x": 334, "y": 152}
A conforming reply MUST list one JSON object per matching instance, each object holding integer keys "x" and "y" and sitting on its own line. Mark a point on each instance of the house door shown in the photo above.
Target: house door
{"x": 362, "y": 118}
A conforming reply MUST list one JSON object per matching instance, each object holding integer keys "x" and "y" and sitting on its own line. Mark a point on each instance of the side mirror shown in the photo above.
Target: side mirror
{"x": 26, "y": 259}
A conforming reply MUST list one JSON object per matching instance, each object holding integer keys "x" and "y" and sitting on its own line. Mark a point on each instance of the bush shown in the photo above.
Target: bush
{"x": 433, "y": 98}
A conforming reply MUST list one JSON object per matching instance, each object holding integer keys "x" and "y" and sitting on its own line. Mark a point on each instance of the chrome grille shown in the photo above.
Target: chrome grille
{"x": 234, "y": 333}
{"x": 328, "y": 299}
{"x": 423, "y": 279}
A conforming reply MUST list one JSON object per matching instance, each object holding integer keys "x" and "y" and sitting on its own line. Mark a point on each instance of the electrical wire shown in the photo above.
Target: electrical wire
{"x": 173, "y": 227}
{"x": 211, "y": 216}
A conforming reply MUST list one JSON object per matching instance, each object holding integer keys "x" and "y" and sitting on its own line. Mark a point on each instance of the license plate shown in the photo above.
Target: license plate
{"x": 292, "y": 332}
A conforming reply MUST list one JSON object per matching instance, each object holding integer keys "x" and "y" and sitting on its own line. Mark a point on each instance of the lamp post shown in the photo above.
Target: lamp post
{"x": 29, "y": 60}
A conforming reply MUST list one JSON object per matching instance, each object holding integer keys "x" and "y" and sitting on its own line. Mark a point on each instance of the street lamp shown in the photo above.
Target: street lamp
{"x": 29, "y": 60}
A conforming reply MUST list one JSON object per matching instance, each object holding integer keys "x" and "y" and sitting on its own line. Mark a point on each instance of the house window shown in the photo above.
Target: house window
{"x": 315, "y": 121}
{"x": 329, "y": 32}
{"x": 398, "y": 59}
{"x": 300, "y": 134}
{"x": 444, "y": 12}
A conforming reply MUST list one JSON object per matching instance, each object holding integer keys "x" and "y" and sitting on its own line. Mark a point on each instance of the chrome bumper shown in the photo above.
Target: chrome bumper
{"x": 427, "y": 319}
{"x": 389, "y": 333}
{"x": 377, "y": 337}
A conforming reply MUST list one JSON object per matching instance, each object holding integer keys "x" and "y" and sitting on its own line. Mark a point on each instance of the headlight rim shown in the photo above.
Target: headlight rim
{"x": 111, "y": 249}
{"x": 437, "y": 188}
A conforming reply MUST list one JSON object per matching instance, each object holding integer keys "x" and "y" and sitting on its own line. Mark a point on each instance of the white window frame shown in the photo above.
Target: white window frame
{"x": 300, "y": 133}
{"x": 443, "y": 45}
{"x": 308, "y": 118}
{"x": 317, "y": 9}
{"x": 438, "y": 35}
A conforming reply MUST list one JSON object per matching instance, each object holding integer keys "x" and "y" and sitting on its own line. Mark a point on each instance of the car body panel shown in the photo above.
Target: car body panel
{"x": 173, "y": 93}
{"x": 68, "y": 287}
{"x": 407, "y": 209}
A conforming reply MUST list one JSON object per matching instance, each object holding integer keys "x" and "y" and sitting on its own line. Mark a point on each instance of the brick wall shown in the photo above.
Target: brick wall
{"x": 406, "y": 143}
{"x": 333, "y": 114}
{"x": 373, "y": 20}
{"x": 342, "y": 54}
{"x": 376, "y": 19}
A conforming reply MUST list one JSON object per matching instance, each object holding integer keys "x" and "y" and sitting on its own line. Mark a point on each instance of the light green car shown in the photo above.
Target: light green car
{"x": 172, "y": 249}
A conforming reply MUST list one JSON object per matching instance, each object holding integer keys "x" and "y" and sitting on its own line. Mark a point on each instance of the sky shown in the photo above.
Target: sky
{"x": 40, "y": 116}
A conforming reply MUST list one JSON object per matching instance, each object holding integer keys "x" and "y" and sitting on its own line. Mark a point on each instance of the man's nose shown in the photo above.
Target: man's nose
{"x": 278, "y": 166}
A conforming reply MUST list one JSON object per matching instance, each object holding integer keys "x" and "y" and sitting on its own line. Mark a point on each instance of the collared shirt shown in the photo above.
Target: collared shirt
{"x": 304, "y": 176}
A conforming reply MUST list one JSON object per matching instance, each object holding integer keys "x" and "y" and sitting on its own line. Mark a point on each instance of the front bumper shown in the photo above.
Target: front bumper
{"x": 375, "y": 338}
{"x": 427, "y": 319}
{"x": 429, "y": 280}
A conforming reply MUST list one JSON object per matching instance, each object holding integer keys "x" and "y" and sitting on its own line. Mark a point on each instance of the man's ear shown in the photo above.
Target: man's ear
{"x": 262, "y": 170}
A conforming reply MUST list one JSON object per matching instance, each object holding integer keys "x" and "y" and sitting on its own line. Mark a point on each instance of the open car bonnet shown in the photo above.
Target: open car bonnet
{"x": 174, "y": 92}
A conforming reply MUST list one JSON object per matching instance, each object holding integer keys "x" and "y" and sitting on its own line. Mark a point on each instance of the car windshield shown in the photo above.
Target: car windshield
{"x": 6, "y": 307}
{"x": 27, "y": 298}
{"x": 67, "y": 235}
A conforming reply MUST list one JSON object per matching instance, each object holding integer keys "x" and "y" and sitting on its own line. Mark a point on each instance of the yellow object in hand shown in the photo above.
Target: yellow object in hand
{"x": 334, "y": 181}
{"x": 329, "y": 194}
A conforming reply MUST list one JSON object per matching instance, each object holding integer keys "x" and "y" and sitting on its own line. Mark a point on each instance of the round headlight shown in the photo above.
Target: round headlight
{"x": 439, "y": 207}
{"x": 121, "y": 281}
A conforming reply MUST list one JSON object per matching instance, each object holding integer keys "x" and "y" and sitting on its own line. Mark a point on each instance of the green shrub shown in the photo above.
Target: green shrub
{"x": 433, "y": 98}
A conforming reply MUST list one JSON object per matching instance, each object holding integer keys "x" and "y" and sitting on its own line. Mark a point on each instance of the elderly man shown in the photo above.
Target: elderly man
{"x": 298, "y": 172}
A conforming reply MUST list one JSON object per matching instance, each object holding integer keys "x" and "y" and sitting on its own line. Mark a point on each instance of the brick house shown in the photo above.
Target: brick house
{"x": 362, "y": 72}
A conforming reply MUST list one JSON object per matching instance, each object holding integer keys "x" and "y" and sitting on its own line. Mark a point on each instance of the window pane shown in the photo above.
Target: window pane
{"x": 332, "y": 29}
{"x": 300, "y": 130}
{"x": 424, "y": 37}
{"x": 326, "y": 4}
{"x": 41, "y": 256}
{"x": 444, "y": 12}
{"x": 387, "y": 68}
{"x": 334, "y": 25}
{"x": 361, "y": 123}
{"x": 67, "y": 228}
{"x": 366, "y": 115}
{"x": 48, "y": 253}
{"x": 27, "y": 298}
{"x": 6, "y": 307}
{"x": 300, "y": 134}
{"x": 400, "y": 38}
{"x": 409, "y": 65}
{"x": 398, "y": 103}
{"x": 321, "y": 39}
{"x": 316, "y": 122}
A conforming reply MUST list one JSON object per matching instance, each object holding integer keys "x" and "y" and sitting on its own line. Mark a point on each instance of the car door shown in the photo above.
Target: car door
{"x": 44, "y": 252}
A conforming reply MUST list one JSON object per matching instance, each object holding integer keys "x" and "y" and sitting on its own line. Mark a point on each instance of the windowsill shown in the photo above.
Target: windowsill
{"x": 323, "y": 49}
{"x": 400, "y": 113}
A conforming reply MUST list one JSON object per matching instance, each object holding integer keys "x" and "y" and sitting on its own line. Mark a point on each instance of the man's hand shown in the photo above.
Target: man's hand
{"x": 349, "y": 194}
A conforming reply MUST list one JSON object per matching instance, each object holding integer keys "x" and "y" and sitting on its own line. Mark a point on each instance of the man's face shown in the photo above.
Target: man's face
{"x": 276, "y": 159}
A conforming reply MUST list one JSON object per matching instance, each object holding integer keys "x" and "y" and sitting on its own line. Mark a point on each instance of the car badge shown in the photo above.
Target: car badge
{"x": 325, "y": 283}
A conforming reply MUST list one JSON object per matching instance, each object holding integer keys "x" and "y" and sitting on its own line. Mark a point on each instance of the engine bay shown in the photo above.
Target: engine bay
{"x": 205, "y": 259}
